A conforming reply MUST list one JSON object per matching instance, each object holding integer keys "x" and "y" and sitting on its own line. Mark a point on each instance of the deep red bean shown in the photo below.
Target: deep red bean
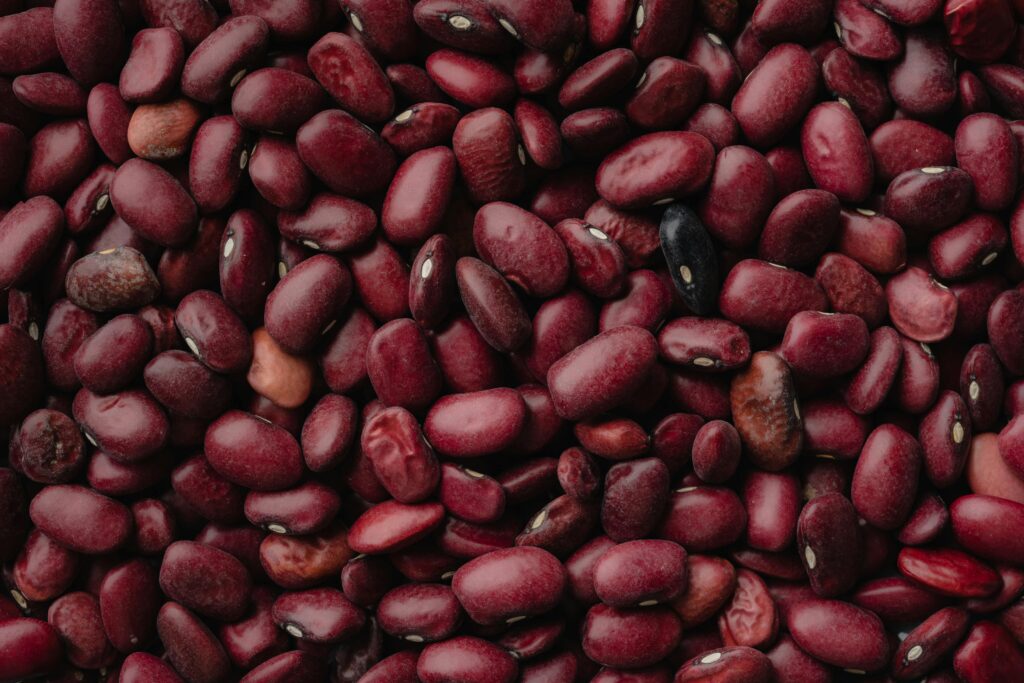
{"x": 252, "y": 452}
{"x": 208, "y": 580}
{"x": 787, "y": 72}
{"x": 930, "y": 198}
{"x": 467, "y": 361}
{"x": 824, "y": 344}
{"x": 30, "y": 648}
{"x": 629, "y": 638}
{"x": 839, "y": 633}
{"x": 885, "y": 479}
{"x": 655, "y": 168}
{"x": 989, "y": 652}
{"x": 402, "y": 458}
{"x": 763, "y": 296}
{"x": 981, "y": 385}
{"x": 949, "y": 572}
{"x": 984, "y": 525}
{"x": 668, "y": 93}
{"x": 799, "y": 228}
{"x": 50, "y": 447}
{"x": 765, "y": 412}
{"x": 432, "y": 281}
{"x": 466, "y": 658}
{"x": 736, "y": 223}
{"x": 836, "y": 152}
{"x": 829, "y": 541}
{"x": 721, "y": 514}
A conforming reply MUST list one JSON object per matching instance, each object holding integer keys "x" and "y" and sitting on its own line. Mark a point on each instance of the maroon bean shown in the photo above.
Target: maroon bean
{"x": 108, "y": 121}
{"x": 716, "y": 452}
{"x": 153, "y": 66}
{"x": 669, "y": 91}
{"x": 772, "y": 503}
{"x": 829, "y": 539}
{"x": 629, "y": 638}
{"x": 22, "y": 374}
{"x": 209, "y": 494}
{"x": 342, "y": 359}
{"x": 764, "y": 296}
{"x": 129, "y": 426}
{"x": 578, "y": 474}
{"x": 989, "y": 652}
{"x": 30, "y": 648}
{"x": 540, "y": 134}
{"x": 306, "y": 302}
{"x": 402, "y": 459}
{"x": 832, "y": 430}
{"x": 420, "y": 612}
{"x": 276, "y": 100}
{"x": 598, "y": 80}
{"x": 213, "y": 332}
{"x": 418, "y": 196}
{"x": 926, "y": 522}
{"x": 155, "y": 526}
{"x": 923, "y": 82}
{"x": 876, "y": 242}
{"x": 490, "y": 157}
{"x": 987, "y": 150}
{"x": 583, "y": 384}
{"x": 738, "y": 171}
{"x": 836, "y": 152}
{"x": 510, "y": 584}
{"x": 220, "y": 61}
{"x": 799, "y": 228}
{"x": 984, "y": 525}
{"x": 703, "y": 394}
{"x": 478, "y": 423}
{"x": 871, "y": 384}
{"x": 981, "y": 385}
{"x": 332, "y": 133}
{"x": 328, "y": 432}
{"x": 640, "y": 573}
{"x": 918, "y": 381}
{"x": 207, "y": 580}
{"x": 593, "y": 133}
{"x": 721, "y": 516}
{"x": 50, "y": 447}
{"x": 902, "y": 145}
{"x": 421, "y": 126}
{"x": 967, "y": 247}
{"x": 659, "y": 28}
{"x": 561, "y": 526}
{"x": 305, "y": 509}
{"x": 1005, "y": 318}
{"x": 945, "y": 435}
{"x": 400, "y": 366}
{"x": 644, "y": 302}
{"x": 824, "y": 344}
{"x": 399, "y": 667}
{"x": 949, "y": 572}
{"x": 885, "y": 480}
{"x": 50, "y": 93}
{"x": 464, "y": 25}
{"x": 335, "y": 60}
{"x": 655, "y": 168}
{"x": 929, "y": 199}
{"x": 716, "y": 123}
{"x": 152, "y": 202}
{"x": 60, "y": 155}
{"x": 129, "y": 598}
{"x": 751, "y": 619}
{"x": 381, "y": 279}
{"x": 920, "y": 307}
{"x": 76, "y": 616}
{"x": 43, "y": 569}
{"x": 252, "y": 452}
{"x": 706, "y": 344}
{"x": 320, "y": 615}
{"x": 142, "y": 666}
{"x": 217, "y": 160}
{"x": 191, "y": 647}
{"x": 466, "y": 658}
{"x": 296, "y": 562}
{"x": 471, "y": 80}
{"x": 81, "y": 519}
{"x": 28, "y": 40}
{"x": 185, "y": 386}
{"x": 788, "y": 72}
{"x": 392, "y": 525}
{"x": 839, "y": 633}
{"x": 114, "y": 355}
{"x": 896, "y": 599}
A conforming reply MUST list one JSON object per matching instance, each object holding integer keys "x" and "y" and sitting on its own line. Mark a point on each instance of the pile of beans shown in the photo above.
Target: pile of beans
{"x": 485, "y": 341}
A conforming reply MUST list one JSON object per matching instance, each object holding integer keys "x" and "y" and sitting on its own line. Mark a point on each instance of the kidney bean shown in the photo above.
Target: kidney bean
{"x": 824, "y": 344}
{"x": 721, "y": 514}
{"x": 598, "y": 80}
{"x": 400, "y": 366}
{"x": 255, "y": 638}
{"x": 772, "y": 504}
{"x": 328, "y": 432}
{"x": 598, "y": 264}
{"x": 926, "y": 522}
{"x": 705, "y": 343}
{"x": 669, "y": 91}
{"x": 463, "y": 25}
{"x": 716, "y": 123}
{"x": 50, "y": 93}
{"x": 918, "y": 380}
{"x": 727, "y": 664}
{"x": 306, "y": 302}
{"x": 645, "y": 302}
{"x": 153, "y": 67}
{"x": 401, "y": 666}
{"x": 30, "y": 648}
{"x": 320, "y": 615}
{"x": 613, "y": 439}
{"x": 466, "y": 658}
{"x": 334, "y": 133}
{"x": 926, "y": 645}
{"x": 219, "y": 156}
{"x": 490, "y": 157}
{"x": 984, "y": 525}
{"x": 155, "y": 526}
{"x": 153, "y": 203}
{"x": 763, "y": 296}
{"x": 716, "y": 452}
{"x": 623, "y": 516}
{"x": 949, "y": 572}
{"x": 987, "y": 472}
{"x": 655, "y": 168}
{"x": 114, "y": 355}
{"x": 221, "y": 60}
{"x": 988, "y": 653}
{"x": 276, "y": 374}
{"x": 559, "y": 326}
{"x": 542, "y": 423}
{"x": 629, "y": 638}
{"x": 923, "y": 82}
{"x": 213, "y": 332}
{"x": 928, "y": 199}
{"x": 905, "y": 144}
{"x": 420, "y": 612}
{"x": 920, "y": 307}
{"x": 35, "y": 28}
{"x": 402, "y": 458}
{"x": 43, "y": 570}
{"x": 81, "y": 519}
{"x": 392, "y": 525}
{"x": 335, "y": 60}
{"x": 578, "y": 474}
{"x": 896, "y": 599}
{"x": 593, "y": 133}
{"x": 964, "y": 249}
{"x": 1005, "y": 317}
{"x": 640, "y": 573}
{"x": 191, "y": 647}
{"x": 987, "y": 150}
{"x": 432, "y": 285}
{"x": 28, "y": 237}
{"x": 50, "y": 447}
{"x": 297, "y": 562}
{"x": 799, "y": 228}
{"x": 736, "y": 223}
{"x": 871, "y": 384}
{"x": 418, "y": 196}
{"x": 788, "y": 72}
{"x": 751, "y": 619}
{"x": 76, "y": 617}
{"x": 876, "y": 242}
{"x": 471, "y": 80}
{"x": 829, "y": 539}
{"x": 455, "y": 424}
{"x": 252, "y": 452}
{"x": 765, "y": 412}
{"x": 423, "y": 125}
{"x": 510, "y": 584}
{"x": 522, "y": 248}
{"x": 466, "y": 360}
{"x": 186, "y": 387}
{"x": 945, "y": 435}
{"x": 305, "y": 509}
{"x": 854, "y": 638}
{"x": 108, "y": 118}
{"x": 129, "y": 426}
{"x": 580, "y": 568}
{"x": 831, "y": 429}
{"x": 129, "y": 598}
{"x": 207, "y": 492}
{"x": 207, "y": 580}
{"x": 836, "y": 152}
{"x": 885, "y": 479}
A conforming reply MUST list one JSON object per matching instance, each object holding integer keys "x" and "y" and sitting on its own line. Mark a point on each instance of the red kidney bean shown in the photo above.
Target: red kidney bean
{"x": 510, "y": 584}
{"x": 716, "y": 452}
{"x": 296, "y": 562}
{"x": 871, "y": 384}
{"x": 108, "y": 118}
{"x": 400, "y": 366}
{"x": 799, "y": 228}
{"x": 1005, "y": 318}
{"x": 711, "y": 582}
{"x": 918, "y": 380}
{"x": 593, "y": 133}
{"x": 67, "y": 328}
{"x": 645, "y": 302}
{"x": 328, "y": 432}
{"x": 736, "y": 223}
{"x": 716, "y": 123}
{"x": 256, "y": 637}
{"x": 30, "y": 648}
{"x": 987, "y": 472}
{"x": 329, "y": 223}
{"x": 252, "y": 452}
{"x": 836, "y": 152}
{"x": 152, "y": 202}
{"x": 28, "y": 237}
{"x": 186, "y": 387}
{"x": 788, "y": 72}
{"x": 636, "y": 234}
{"x": 582, "y": 384}
{"x": 432, "y": 282}
{"x": 598, "y": 264}
{"x": 28, "y": 39}
{"x": 640, "y": 573}
{"x": 522, "y": 248}
{"x": 276, "y": 100}
{"x": 420, "y": 612}
{"x": 466, "y": 360}
{"x": 885, "y": 479}
{"x": 831, "y": 429}
{"x": 421, "y": 126}
{"x": 988, "y": 653}
{"x": 578, "y": 474}
{"x": 623, "y": 516}
{"x": 155, "y": 526}
{"x": 418, "y": 196}
{"x": 461, "y": 485}
{"x": 763, "y": 296}
{"x": 334, "y": 133}
{"x": 305, "y": 509}
{"x": 987, "y": 150}
{"x": 949, "y": 572}
{"x": 207, "y": 580}
{"x": 464, "y": 25}
{"x": 727, "y": 664}
{"x": 965, "y": 248}
{"x": 824, "y": 344}
{"x": 751, "y": 619}
{"x": 278, "y": 174}
{"x": 981, "y": 385}
{"x": 706, "y": 344}
{"x": 153, "y": 66}
{"x": 219, "y": 156}
{"x": 772, "y": 504}
{"x": 829, "y": 539}
{"x": 896, "y": 599}
{"x": 478, "y": 423}
{"x": 920, "y": 307}
{"x": 50, "y": 93}
{"x": 129, "y": 426}
{"x": 490, "y": 157}
{"x": 306, "y": 302}
{"x": 765, "y": 412}
{"x": 402, "y": 459}
{"x": 213, "y": 332}
{"x": 392, "y": 525}
{"x": 876, "y": 242}
{"x": 129, "y": 597}
{"x": 221, "y": 60}
{"x": 984, "y": 525}
{"x": 904, "y": 144}
{"x": 945, "y": 435}
{"x": 721, "y": 514}
{"x": 613, "y": 439}
{"x": 43, "y": 570}
{"x": 335, "y": 60}
{"x": 629, "y": 638}
{"x": 115, "y": 354}
{"x": 669, "y": 91}
{"x": 320, "y": 615}
{"x": 598, "y": 80}
{"x": 191, "y": 647}
{"x": 655, "y": 168}
{"x": 979, "y": 31}
{"x": 923, "y": 82}
{"x": 542, "y": 423}
{"x": 926, "y": 645}
{"x": 926, "y": 522}
{"x": 365, "y": 580}
{"x": 928, "y": 199}
{"x": 399, "y": 667}
{"x": 466, "y": 658}
{"x": 76, "y": 616}
{"x": 381, "y": 279}
{"x": 462, "y": 540}
{"x": 208, "y": 493}
{"x": 81, "y": 519}
{"x": 50, "y": 447}
{"x": 561, "y": 324}
{"x": 580, "y": 568}
{"x": 839, "y": 633}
